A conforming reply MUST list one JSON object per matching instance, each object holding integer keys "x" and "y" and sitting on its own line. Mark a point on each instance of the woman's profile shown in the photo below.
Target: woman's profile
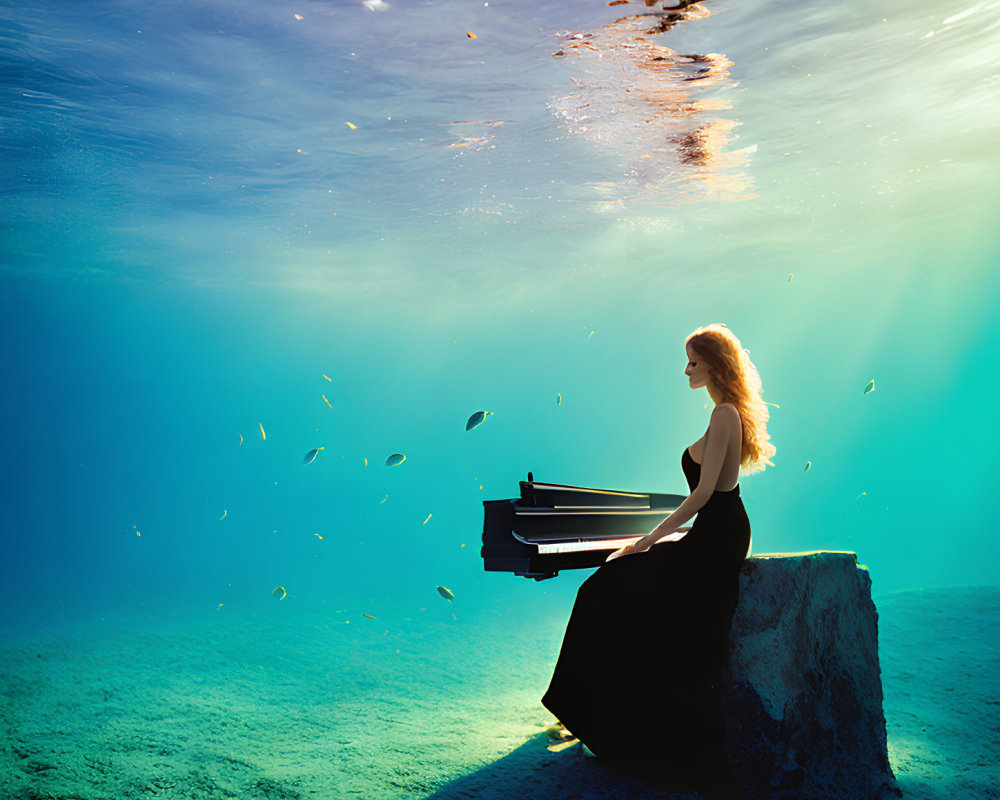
{"x": 639, "y": 672}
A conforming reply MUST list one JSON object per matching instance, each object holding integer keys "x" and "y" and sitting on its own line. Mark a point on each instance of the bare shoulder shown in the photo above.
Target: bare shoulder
{"x": 726, "y": 415}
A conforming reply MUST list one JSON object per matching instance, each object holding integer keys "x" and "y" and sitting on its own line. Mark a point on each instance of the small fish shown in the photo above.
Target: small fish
{"x": 558, "y": 398}
{"x": 590, "y": 334}
{"x": 808, "y": 464}
{"x": 311, "y": 455}
{"x": 297, "y": 16}
{"x": 617, "y": 2}
{"x": 241, "y": 440}
{"x": 366, "y": 462}
{"x": 476, "y": 420}
{"x": 351, "y": 125}
{"x": 425, "y": 521}
{"x": 471, "y": 35}
{"x": 861, "y": 495}
{"x": 368, "y": 615}
{"x": 395, "y": 459}
{"x": 772, "y": 404}
{"x": 383, "y": 499}
{"x": 445, "y": 592}
{"x": 318, "y": 536}
{"x": 328, "y": 377}
{"x": 325, "y": 400}
{"x": 224, "y": 512}
{"x": 262, "y": 434}
{"x": 281, "y": 589}
{"x": 870, "y": 387}
{"x": 790, "y": 277}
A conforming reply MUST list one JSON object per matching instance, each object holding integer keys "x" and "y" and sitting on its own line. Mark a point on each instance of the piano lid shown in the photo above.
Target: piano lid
{"x": 552, "y": 495}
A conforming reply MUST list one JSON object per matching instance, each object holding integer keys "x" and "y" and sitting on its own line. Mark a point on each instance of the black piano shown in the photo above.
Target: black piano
{"x": 552, "y": 526}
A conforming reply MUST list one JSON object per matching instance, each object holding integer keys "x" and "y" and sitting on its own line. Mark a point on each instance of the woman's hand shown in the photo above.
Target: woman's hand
{"x": 639, "y": 546}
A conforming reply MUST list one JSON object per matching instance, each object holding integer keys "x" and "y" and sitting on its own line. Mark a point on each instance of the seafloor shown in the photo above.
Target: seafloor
{"x": 287, "y": 703}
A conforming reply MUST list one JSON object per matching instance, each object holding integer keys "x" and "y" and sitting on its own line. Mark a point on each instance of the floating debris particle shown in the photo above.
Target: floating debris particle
{"x": 262, "y": 434}
{"x": 476, "y": 142}
{"x": 395, "y": 459}
{"x": 137, "y": 531}
{"x": 425, "y": 521}
{"x": 318, "y": 536}
{"x": 808, "y": 464}
{"x": 870, "y": 387}
{"x": 590, "y": 334}
{"x": 368, "y": 615}
{"x": 383, "y": 499}
{"x": 790, "y": 277}
{"x": 771, "y": 404}
{"x": 281, "y": 589}
{"x": 861, "y": 495}
{"x": 445, "y": 592}
{"x": 325, "y": 400}
{"x": 476, "y": 420}
{"x": 351, "y": 125}
{"x": 558, "y": 398}
{"x": 366, "y": 462}
{"x": 311, "y": 455}
{"x": 224, "y": 512}
{"x": 471, "y": 35}
{"x": 241, "y": 440}
{"x": 218, "y": 606}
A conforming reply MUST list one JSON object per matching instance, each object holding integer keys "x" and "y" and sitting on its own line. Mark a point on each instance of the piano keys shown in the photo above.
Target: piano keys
{"x": 553, "y": 526}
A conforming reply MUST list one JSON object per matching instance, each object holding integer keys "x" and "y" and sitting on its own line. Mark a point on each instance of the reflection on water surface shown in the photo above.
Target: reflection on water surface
{"x": 665, "y": 105}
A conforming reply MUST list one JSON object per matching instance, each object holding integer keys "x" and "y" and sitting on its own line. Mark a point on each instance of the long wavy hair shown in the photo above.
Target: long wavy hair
{"x": 731, "y": 369}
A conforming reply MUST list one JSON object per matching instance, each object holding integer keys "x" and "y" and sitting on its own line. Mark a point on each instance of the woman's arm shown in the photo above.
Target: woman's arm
{"x": 723, "y": 423}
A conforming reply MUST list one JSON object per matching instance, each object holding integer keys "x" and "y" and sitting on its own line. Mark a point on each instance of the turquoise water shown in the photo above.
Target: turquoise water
{"x": 193, "y": 237}
{"x": 176, "y": 273}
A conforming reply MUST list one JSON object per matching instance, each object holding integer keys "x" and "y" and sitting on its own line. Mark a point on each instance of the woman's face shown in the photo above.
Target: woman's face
{"x": 696, "y": 370}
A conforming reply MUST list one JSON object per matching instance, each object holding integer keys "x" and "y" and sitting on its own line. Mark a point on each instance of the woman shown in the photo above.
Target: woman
{"x": 645, "y": 649}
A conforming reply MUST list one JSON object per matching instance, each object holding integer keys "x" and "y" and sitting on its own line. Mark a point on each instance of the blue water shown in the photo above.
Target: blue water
{"x": 193, "y": 236}
{"x": 350, "y": 227}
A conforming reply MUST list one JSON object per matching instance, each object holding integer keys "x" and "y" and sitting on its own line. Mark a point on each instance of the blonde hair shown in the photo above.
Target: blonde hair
{"x": 733, "y": 372}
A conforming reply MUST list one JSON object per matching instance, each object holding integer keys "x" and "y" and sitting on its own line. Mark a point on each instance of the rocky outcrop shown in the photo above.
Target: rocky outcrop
{"x": 803, "y": 702}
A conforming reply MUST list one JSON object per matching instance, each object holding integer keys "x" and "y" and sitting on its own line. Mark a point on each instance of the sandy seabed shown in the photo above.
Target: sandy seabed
{"x": 284, "y": 702}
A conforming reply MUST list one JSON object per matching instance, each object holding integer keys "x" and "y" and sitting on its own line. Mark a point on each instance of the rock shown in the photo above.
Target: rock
{"x": 803, "y": 699}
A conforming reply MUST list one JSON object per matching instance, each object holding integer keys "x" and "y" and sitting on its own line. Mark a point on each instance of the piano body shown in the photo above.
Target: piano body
{"x": 552, "y": 526}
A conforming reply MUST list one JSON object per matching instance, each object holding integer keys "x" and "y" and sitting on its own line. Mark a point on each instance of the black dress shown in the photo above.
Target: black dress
{"x": 645, "y": 649}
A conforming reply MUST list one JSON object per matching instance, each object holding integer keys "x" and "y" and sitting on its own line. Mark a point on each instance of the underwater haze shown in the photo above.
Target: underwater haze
{"x": 233, "y": 233}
